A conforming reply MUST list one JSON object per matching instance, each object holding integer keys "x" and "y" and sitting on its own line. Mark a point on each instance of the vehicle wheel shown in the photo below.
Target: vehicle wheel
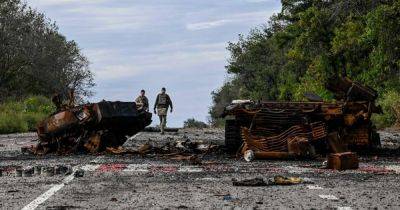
{"x": 233, "y": 139}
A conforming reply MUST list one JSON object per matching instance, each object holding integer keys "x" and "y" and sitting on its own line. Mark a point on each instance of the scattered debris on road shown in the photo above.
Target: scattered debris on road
{"x": 277, "y": 180}
{"x": 256, "y": 182}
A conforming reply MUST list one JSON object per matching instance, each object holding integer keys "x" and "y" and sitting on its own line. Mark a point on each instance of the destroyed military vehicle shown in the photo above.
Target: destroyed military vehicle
{"x": 90, "y": 127}
{"x": 296, "y": 129}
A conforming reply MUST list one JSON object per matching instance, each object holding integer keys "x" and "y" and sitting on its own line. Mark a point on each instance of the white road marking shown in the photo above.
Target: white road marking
{"x": 43, "y": 197}
{"x": 97, "y": 160}
{"x": 328, "y": 197}
{"x": 344, "y": 208}
{"x": 395, "y": 168}
{"x": 190, "y": 169}
{"x": 137, "y": 168}
{"x": 90, "y": 167}
{"x": 314, "y": 187}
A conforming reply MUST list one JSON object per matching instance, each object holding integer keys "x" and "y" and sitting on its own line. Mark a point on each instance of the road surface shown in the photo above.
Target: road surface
{"x": 135, "y": 182}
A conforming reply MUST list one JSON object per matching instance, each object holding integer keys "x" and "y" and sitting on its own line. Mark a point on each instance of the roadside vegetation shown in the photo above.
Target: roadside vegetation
{"x": 312, "y": 41}
{"x": 23, "y": 116}
{"x": 193, "y": 123}
{"x": 35, "y": 60}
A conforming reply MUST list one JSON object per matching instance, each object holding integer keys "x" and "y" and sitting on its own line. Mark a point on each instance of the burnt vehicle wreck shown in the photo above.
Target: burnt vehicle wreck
{"x": 304, "y": 129}
{"x": 90, "y": 127}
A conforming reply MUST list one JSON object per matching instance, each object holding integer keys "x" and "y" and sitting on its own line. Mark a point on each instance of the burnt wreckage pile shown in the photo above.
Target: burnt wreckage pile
{"x": 303, "y": 129}
{"x": 90, "y": 127}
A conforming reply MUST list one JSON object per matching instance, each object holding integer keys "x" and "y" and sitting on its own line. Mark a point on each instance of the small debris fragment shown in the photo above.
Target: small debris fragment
{"x": 120, "y": 150}
{"x": 343, "y": 161}
{"x": 249, "y": 155}
{"x": 145, "y": 148}
{"x": 281, "y": 180}
{"x": 48, "y": 171}
{"x": 256, "y": 182}
{"x": 277, "y": 180}
{"x": 27, "y": 172}
{"x": 229, "y": 197}
{"x": 79, "y": 173}
{"x": 37, "y": 170}
{"x": 12, "y": 191}
{"x": 18, "y": 172}
{"x": 62, "y": 170}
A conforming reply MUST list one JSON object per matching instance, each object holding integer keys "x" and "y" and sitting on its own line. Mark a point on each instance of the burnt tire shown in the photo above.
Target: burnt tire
{"x": 233, "y": 139}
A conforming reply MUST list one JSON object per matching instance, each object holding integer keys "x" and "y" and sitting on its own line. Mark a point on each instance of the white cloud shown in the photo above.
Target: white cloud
{"x": 248, "y": 17}
{"x": 206, "y": 25}
{"x": 114, "y": 64}
{"x": 115, "y": 72}
{"x": 101, "y": 19}
{"x": 63, "y": 2}
{"x": 98, "y": 16}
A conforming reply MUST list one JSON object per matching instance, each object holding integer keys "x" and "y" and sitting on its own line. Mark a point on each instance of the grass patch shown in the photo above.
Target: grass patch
{"x": 390, "y": 103}
{"x": 23, "y": 116}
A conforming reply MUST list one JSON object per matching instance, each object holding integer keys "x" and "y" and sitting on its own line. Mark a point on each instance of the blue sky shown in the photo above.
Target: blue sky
{"x": 148, "y": 44}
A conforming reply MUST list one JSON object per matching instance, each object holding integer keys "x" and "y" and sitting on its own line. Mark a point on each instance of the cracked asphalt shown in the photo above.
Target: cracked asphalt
{"x": 135, "y": 182}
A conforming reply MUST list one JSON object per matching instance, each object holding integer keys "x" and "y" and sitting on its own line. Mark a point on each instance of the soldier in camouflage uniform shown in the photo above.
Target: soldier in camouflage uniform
{"x": 163, "y": 102}
{"x": 142, "y": 102}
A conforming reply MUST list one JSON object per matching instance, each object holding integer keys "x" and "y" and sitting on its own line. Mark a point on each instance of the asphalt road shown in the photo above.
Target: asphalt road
{"x": 134, "y": 182}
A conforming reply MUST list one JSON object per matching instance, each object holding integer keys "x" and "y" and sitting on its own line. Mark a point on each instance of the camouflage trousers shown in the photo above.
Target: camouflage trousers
{"x": 163, "y": 122}
{"x": 162, "y": 114}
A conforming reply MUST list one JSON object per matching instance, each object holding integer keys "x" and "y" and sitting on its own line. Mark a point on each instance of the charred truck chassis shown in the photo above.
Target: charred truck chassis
{"x": 303, "y": 129}
{"x": 90, "y": 127}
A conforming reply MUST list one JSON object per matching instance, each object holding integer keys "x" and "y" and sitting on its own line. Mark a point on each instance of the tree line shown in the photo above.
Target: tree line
{"x": 35, "y": 58}
{"x": 311, "y": 41}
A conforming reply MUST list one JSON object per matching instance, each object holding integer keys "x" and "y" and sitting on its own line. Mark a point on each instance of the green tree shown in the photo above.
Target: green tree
{"x": 312, "y": 41}
{"x": 35, "y": 59}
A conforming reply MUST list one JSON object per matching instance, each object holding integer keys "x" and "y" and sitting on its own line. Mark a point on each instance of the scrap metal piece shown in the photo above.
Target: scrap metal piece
{"x": 256, "y": 182}
{"x": 281, "y": 180}
{"x": 313, "y": 97}
{"x": 343, "y": 161}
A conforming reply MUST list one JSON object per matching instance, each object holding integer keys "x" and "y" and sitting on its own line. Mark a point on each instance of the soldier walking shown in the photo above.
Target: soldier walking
{"x": 142, "y": 103}
{"x": 163, "y": 102}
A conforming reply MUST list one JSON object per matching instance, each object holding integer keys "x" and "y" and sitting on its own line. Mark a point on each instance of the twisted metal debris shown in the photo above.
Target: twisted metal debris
{"x": 298, "y": 129}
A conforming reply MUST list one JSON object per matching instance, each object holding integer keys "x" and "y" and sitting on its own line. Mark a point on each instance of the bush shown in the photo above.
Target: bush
{"x": 217, "y": 122}
{"x": 23, "y": 116}
{"x": 192, "y": 123}
{"x": 12, "y": 123}
{"x": 390, "y": 103}
{"x": 38, "y": 104}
